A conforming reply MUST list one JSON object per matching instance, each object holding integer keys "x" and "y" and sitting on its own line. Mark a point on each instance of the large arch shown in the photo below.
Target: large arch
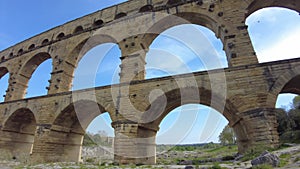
{"x": 18, "y": 133}
{"x": 63, "y": 142}
{"x": 152, "y": 118}
{"x": 259, "y": 4}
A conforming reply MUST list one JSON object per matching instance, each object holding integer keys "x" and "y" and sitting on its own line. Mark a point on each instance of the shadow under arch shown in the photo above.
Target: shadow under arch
{"x": 260, "y": 4}
{"x": 18, "y": 133}
{"x": 64, "y": 140}
{"x": 152, "y": 118}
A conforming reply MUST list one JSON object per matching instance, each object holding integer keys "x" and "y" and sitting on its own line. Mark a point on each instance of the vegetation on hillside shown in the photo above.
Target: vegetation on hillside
{"x": 289, "y": 122}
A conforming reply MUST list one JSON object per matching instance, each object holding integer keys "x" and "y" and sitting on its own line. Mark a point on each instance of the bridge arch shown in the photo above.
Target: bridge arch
{"x": 185, "y": 19}
{"x": 285, "y": 83}
{"x": 260, "y": 4}
{"x": 22, "y": 125}
{"x": 86, "y": 44}
{"x": 179, "y": 19}
{"x": 82, "y": 48}
{"x": 273, "y": 32}
{"x": 65, "y": 136}
{"x": 27, "y": 70}
{"x": 152, "y": 118}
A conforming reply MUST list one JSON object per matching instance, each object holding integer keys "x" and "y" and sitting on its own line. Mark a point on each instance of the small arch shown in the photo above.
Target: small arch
{"x": 20, "y": 52}
{"x": 31, "y": 47}
{"x": 78, "y": 29}
{"x": 120, "y": 15}
{"x": 98, "y": 23}
{"x": 174, "y": 2}
{"x": 2, "y": 58}
{"x": 60, "y": 36}
{"x": 11, "y": 54}
{"x": 146, "y": 8}
{"x": 45, "y": 42}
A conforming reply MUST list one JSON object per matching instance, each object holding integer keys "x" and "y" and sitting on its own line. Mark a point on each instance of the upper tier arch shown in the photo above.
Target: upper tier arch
{"x": 259, "y": 4}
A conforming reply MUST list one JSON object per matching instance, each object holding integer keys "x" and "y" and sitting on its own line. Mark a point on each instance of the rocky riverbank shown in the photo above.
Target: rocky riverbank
{"x": 289, "y": 158}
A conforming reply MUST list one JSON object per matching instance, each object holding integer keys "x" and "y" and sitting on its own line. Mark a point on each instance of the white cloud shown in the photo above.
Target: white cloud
{"x": 285, "y": 48}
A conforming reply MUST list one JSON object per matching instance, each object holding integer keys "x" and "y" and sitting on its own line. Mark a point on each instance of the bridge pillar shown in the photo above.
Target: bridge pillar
{"x": 133, "y": 59}
{"x": 236, "y": 39}
{"x": 134, "y": 144}
{"x": 17, "y": 87}
{"x": 261, "y": 129}
{"x": 61, "y": 77}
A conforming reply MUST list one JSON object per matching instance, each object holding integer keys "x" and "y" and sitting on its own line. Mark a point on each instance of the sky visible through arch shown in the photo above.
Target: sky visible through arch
{"x": 275, "y": 33}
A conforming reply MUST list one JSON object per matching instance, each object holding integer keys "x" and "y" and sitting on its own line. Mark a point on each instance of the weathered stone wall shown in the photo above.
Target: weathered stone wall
{"x": 51, "y": 127}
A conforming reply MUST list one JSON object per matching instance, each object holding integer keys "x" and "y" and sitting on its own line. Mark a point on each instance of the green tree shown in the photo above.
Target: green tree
{"x": 227, "y": 136}
{"x": 296, "y": 102}
{"x": 285, "y": 123}
{"x": 289, "y": 122}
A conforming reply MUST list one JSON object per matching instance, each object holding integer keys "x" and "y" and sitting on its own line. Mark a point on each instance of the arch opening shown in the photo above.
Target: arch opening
{"x": 157, "y": 112}
{"x": 21, "y": 125}
{"x": 275, "y": 33}
{"x": 45, "y": 42}
{"x": 20, "y": 52}
{"x": 99, "y": 135}
{"x": 146, "y": 8}
{"x": 3, "y": 59}
{"x": 37, "y": 72}
{"x": 173, "y": 52}
{"x": 60, "y": 36}
{"x": 78, "y": 29}
{"x": 99, "y": 66}
{"x": 4, "y": 82}
{"x": 288, "y": 111}
{"x": 98, "y": 23}
{"x": 192, "y": 128}
{"x": 120, "y": 15}
{"x": 260, "y": 4}
{"x": 69, "y": 129}
{"x": 31, "y": 47}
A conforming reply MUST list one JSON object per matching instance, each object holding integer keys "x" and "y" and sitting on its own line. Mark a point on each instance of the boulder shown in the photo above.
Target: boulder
{"x": 266, "y": 158}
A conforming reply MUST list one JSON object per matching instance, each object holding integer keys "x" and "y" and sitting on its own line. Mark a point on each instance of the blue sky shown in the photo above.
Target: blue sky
{"x": 195, "y": 50}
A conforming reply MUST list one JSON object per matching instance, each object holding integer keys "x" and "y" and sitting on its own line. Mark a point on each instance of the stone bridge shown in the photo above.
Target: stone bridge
{"x": 51, "y": 127}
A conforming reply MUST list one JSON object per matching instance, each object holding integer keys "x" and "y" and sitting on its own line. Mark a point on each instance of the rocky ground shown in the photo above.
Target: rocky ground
{"x": 289, "y": 158}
